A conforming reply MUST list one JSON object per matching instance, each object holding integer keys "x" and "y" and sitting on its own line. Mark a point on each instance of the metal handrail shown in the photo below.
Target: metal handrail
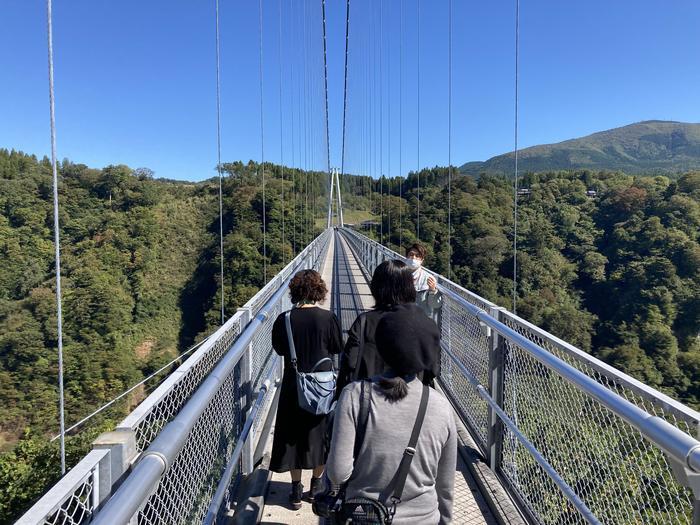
{"x": 225, "y": 481}
{"x": 159, "y": 456}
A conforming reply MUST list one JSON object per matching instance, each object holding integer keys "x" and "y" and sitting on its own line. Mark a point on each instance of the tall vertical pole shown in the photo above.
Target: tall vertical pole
{"x": 57, "y": 243}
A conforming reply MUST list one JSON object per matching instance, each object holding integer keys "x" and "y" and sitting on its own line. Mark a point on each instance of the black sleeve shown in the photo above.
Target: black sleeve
{"x": 336, "y": 336}
{"x": 349, "y": 357}
{"x": 279, "y": 336}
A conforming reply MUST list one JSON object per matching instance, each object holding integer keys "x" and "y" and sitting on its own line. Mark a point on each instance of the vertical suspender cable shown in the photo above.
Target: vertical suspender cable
{"x": 381, "y": 128}
{"x": 306, "y": 132}
{"x": 418, "y": 126}
{"x": 388, "y": 142}
{"x": 57, "y": 243}
{"x": 279, "y": 52}
{"x": 218, "y": 159}
{"x": 294, "y": 178}
{"x": 515, "y": 181}
{"x": 449, "y": 142}
{"x": 345, "y": 88}
{"x": 262, "y": 146}
{"x": 401, "y": 124}
{"x": 325, "y": 80}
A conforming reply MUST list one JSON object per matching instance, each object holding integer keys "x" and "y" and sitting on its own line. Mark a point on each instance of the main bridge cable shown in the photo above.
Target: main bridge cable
{"x": 57, "y": 241}
{"x": 345, "y": 89}
{"x": 262, "y": 146}
{"x": 218, "y": 159}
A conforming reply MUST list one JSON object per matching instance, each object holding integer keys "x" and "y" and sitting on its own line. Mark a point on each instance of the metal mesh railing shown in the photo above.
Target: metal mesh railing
{"x": 78, "y": 507}
{"x": 74, "y": 498}
{"x": 185, "y": 491}
{"x": 617, "y": 473}
{"x": 166, "y": 403}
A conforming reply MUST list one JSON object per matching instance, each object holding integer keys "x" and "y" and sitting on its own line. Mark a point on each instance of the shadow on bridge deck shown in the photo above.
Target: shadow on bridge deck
{"x": 475, "y": 502}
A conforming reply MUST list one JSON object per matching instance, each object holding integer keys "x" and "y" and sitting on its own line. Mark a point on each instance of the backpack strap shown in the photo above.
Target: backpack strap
{"x": 402, "y": 473}
{"x": 290, "y": 338}
{"x": 363, "y": 417}
{"x": 360, "y": 348}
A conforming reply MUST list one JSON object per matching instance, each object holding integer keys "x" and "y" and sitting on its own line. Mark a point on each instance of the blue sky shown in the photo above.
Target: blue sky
{"x": 135, "y": 81}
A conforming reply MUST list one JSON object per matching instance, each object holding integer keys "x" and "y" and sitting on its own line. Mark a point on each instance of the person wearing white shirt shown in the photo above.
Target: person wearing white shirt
{"x": 428, "y": 297}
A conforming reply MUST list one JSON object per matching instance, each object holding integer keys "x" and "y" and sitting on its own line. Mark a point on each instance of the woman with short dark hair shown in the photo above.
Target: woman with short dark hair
{"x": 299, "y": 441}
{"x": 392, "y": 285}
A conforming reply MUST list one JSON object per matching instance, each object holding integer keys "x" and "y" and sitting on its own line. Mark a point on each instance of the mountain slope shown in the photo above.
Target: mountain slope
{"x": 648, "y": 147}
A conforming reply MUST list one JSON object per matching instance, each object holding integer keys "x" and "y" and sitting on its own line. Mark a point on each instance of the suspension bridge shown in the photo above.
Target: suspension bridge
{"x": 548, "y": 433}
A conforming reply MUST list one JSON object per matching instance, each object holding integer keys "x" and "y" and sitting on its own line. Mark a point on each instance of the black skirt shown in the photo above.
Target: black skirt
{"x": 299, "y": 441}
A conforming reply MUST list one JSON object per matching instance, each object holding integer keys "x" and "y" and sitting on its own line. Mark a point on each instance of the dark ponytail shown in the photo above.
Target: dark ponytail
{"x": 393, "y": 388}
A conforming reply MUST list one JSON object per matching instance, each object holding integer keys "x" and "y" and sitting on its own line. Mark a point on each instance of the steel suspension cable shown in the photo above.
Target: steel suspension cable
{"x": 325, "y": 80}
{"x": 418, "y": 125}
{"x": 306, "y": 131}
{"x": 294, "y": 178}
{"x": 515, "y": 181}
{"x": 284, "y": 211}
{"x": 262, "y": 146}
{"x": 401, "y": 124}
{"x": 218, "y": 159}
{"x": 381, "y": 125}
{"x": 449, "y": 142}
{"x": 345, "y": 87}
{"x": 57, "y": 241}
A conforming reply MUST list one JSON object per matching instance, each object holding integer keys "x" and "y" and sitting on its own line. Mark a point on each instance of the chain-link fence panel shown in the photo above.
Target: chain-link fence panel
{"x": 465, "y": 338}
{"x": 165, "y": 403}
{"x": 185, "y": 490}
{"x": 622, "y": 477}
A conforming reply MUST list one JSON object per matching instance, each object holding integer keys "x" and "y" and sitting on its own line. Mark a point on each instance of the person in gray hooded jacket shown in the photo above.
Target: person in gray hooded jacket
{"x": 405, "y": 340}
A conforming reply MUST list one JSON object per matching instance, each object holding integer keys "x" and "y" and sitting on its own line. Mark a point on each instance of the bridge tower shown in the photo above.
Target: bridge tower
{"x": 335, "y": 189}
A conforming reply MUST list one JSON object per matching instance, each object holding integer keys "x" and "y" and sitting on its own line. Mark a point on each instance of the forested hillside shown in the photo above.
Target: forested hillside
{"x": 606, "y": 261}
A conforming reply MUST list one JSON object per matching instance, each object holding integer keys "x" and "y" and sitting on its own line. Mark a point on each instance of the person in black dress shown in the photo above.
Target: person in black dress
{"x": 299, "y": 441}
{"x": 392, "y": 285}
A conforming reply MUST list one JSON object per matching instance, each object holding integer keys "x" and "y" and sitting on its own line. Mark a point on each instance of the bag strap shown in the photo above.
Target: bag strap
{"x": 363, "y": 418}
{"x": 290, "y": 338}
{"x": 361, "y": 347}
{"x": 402, "y": 473}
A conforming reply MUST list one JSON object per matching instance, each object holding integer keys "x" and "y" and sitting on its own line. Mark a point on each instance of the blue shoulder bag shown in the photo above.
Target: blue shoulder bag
{"x": 315, "y": 390}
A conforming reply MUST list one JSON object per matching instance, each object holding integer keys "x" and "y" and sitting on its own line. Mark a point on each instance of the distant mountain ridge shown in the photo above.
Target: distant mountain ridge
{"x": 649, "y": 147}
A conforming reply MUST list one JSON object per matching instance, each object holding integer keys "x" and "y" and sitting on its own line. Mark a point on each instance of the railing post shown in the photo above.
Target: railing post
{"x": 121, "y": 444}
{"x": 246, "y": 394}
{"x": 494, "y": 436}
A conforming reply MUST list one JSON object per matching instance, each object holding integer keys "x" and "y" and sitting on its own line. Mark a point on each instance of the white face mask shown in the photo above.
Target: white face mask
{"x": 413, "y": 263}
